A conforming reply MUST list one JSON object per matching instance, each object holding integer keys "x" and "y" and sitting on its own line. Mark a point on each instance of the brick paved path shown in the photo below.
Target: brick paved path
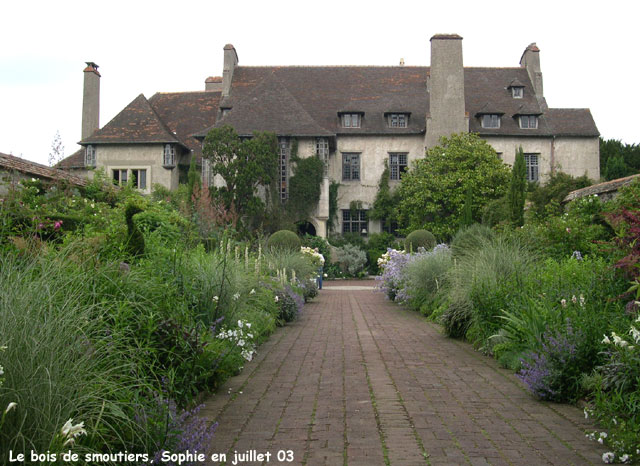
{"x": 360, "y": 381}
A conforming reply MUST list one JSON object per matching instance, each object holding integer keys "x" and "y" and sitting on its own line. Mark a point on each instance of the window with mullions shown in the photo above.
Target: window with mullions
{"x": 528, "y": 121}
{"x": 322, "y": 152}
{"x": 517, "y": 92}
{"x": 355, "y": 222}
{"x": 169, "y": 157}
{"x": 283, "y": 160}
{"x": 350, "y": 166}
{"x": 390, "y": 226}
{"x": 351, "y": 120}
{"x": 139, "y": 178}
{"x": 398, "y": 120}
{"x": 397, "y": 165}
{"x": 120, "y": 177}
{"x": 90, "y": 156}
{"x": 531, "y": 161}
{"x": 491, "y": 121}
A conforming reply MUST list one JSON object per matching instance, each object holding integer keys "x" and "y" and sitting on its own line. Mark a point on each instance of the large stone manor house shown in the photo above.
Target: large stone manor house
{"x": 355, "y": 118}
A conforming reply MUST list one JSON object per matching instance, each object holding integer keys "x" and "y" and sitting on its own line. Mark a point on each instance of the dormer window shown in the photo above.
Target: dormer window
{"x": 224, "y": 111}
{"x": 398, "y": 120}
{"x": 528, "y": 121}
{"x": 90, "y": 156}
{"x": 169, "y": 158}
{"x": 517, "y": 92}
{"x": 351, "y": 120}
{"x": 491, "y": 120}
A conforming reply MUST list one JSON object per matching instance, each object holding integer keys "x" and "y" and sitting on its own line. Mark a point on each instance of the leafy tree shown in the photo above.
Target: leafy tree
{"x": 628, "y": 156}
{"x": 616, "y": 168}
{"x": 431, "y": 194}
{"x": 517, "y": 189}
{"x": 546, "y": 199}
{"x": 244, "y": 165}
{"x": 467, "y": 209}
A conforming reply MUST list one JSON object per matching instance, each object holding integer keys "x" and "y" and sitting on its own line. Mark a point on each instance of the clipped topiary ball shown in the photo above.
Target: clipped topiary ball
{"x": 419, "y": 239}
{"x": 284, "y": 239}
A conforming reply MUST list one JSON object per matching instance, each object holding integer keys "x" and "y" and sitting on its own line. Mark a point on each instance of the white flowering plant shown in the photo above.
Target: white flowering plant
{"x": 617, "y": 396}
{"x": 242, "y": 338}
{"x": 314, "y": 255}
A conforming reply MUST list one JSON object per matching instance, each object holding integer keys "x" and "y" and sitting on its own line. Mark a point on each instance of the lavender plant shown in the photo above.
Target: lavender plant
{"x": 553, "y": 372}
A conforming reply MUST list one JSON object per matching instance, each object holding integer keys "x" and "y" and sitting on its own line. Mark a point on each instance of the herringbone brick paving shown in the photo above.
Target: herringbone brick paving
{"x": 357, "y": 380}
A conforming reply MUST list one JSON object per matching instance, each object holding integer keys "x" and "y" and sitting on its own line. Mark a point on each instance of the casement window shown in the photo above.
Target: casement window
{"x": 139, "y": 177}
{"x": 398, "y": 120}
{"x": 90, "y": 156}
{"x": 350, "y": 166}
{"x": 169, "y": 156}
{"x": 355, "y": 222}
{"x": 517, "y": 92}
{"x": 390, "y": 226}
{"x": 528, "y": 121}
{"x": 322, "y": 152}
{"x": 283, "y": 165}
{"x": 531, "y": 162}
{"x": 120, "y": 177}
{"x": 491, "y": 121}
{"x": 351, "y": 120}
{"x": 397, "y": 165}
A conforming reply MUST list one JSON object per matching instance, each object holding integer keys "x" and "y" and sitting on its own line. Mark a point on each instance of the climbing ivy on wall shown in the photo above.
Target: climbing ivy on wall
{"x": 333, "y": 205}
{"x": 304, "y": 187}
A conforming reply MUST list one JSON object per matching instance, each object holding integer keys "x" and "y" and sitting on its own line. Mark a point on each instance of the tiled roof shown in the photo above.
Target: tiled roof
{"x": 307, "y": 101}
{"x": 75, "y": 160}
{"x": 572, "y": 122}
{"x": 317, "y": 94}
{"x": 12, "y": 163}
{"x": 186, "y": 113}
{"x": 137, "y": 123}
{"x": 600, "y": 188}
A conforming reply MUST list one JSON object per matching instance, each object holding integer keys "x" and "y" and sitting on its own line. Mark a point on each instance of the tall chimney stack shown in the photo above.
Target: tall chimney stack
{"x": 531, "y": 61}
{"x": 213, "y": 83}
{"x": 230, "y": 63}
{"x": 446, "y": 89}
{"x": 90, "y": 100}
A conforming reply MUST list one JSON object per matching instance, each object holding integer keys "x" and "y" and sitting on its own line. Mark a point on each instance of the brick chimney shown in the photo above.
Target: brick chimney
{"x": 531, "y": 61}
{"x": 230, "y": 63}
{"x": 213, "y": 83}
{"x": 446, "y": 89}
{"x": 90, "y": 100}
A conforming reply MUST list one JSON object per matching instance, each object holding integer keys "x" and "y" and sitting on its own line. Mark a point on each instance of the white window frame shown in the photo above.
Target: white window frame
{"x": 529, "y": 119}
{"x": 398, "y": 120}
{"x": 90, "y": 156}
{"x": 517, "y": 92}
{"x": 322, "y": 152}
{"x": 351, "y": 120}
{"x": 532, "y": 162}
{"x": 489, "y": 118}
{"x": 129, "y": 175}
{"x": 169, "y": 155}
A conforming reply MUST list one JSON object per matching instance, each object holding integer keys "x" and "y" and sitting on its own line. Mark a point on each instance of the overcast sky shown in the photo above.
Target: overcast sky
{"x": 589, "y": 54}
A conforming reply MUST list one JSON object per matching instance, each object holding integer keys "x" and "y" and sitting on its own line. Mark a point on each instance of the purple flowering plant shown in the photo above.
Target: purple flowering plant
{"x": 553, "y": 372}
